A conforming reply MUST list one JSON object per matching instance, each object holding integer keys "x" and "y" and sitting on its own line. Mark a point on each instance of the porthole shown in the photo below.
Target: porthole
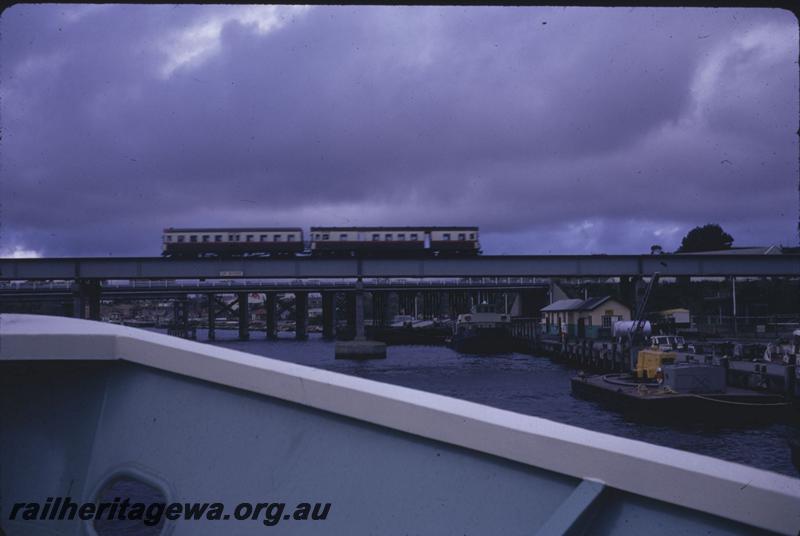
{"x": 130, "y": 502}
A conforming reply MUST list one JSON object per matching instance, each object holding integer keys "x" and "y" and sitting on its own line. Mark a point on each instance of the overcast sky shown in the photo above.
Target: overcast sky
{"x": 556, "y": 130}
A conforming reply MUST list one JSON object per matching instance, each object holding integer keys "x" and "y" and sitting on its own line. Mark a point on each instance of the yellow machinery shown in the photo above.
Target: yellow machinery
{"x": 661, "y": 352}
{"x": 649, "y": 360}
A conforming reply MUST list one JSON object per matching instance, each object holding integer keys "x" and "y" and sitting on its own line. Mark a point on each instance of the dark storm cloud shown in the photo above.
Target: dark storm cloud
{"x": 564, "y": 130}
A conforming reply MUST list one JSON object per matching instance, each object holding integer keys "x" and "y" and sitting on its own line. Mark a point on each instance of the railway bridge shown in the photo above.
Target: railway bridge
{"x": 87, "y": 280}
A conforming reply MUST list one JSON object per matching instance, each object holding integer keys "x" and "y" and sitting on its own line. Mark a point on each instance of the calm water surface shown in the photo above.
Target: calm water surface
{"x": 525, "y": 384}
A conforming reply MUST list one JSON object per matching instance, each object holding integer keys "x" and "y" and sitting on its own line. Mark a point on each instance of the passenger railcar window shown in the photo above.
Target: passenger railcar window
{"x": 218, "y": 238}
{"x": 206, "y": 238}
{"x": 401, "y": 236}
{"x": 290, "y": 238}
{"x": 414, "y": 236}
{"x": 249, "y": 238}
{"x": 276, "y": 238}
{"x": 376, "y": 236}
{"x": 169, "y": 239}
{"x": 231, "y": 238}
{"x": 181, "y": 238}
{"x": 388, "y": 236}
{"x": 326, "y": 236}
{"x": 462, "y": 236}
{"x": 193, "y": 238}
{"x": 343, "y": 236}
{"x": 472, "y": 236}
{"x": 446, "y": 236}
{"x": 317, "y": 237}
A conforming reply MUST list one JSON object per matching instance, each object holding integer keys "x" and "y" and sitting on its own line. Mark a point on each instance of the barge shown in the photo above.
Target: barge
{"x": 668, "y": 382}
{"x": 655, "y": 402}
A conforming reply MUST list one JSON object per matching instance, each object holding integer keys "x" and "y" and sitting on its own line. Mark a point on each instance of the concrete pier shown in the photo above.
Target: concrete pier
{"x": 212, "y": 313}
{"x": 350, "y": 309}
{"x": 301, "y": 315}
{"x": 328, "y": 315}
{"x": 271, "y": 325}
{"x": 359, "y": 310}
{"x": 360, "y": 347}
{"x": 86, "y": 295}
{"x": 244, "y": 317}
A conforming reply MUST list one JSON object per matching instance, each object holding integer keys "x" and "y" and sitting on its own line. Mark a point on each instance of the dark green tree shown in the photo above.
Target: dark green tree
{"x": 709, "y": 237}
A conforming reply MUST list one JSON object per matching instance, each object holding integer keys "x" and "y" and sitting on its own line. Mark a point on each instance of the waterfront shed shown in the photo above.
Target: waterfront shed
{"x": 591, "y": 318}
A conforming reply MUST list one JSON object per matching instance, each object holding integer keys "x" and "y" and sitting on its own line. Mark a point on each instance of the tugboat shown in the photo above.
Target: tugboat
{"x": 482, "y": 331}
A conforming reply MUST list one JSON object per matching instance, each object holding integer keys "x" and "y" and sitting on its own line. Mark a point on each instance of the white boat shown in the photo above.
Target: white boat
{"x": 482, "y": 331}
{"x": 86, "y": 405}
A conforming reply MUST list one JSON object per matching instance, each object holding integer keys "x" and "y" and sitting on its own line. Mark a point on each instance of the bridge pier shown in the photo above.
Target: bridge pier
{"x": 86, "y": 292}
{"x": 350, "y": 303}
{"x": 269, "y": 307}
{"x": 244, "y": 316}
{"x": 328, "y": 315}
{"x": 212, "y": 314}
{"x": 359, "y": 310}
{"x": 360, "y": 347}
{"x": 301, "y": 315}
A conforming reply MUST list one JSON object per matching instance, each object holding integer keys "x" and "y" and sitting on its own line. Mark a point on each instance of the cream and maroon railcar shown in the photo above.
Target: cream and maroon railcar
{"x": 400, "y": 241}
{"x": 196, "y": 242}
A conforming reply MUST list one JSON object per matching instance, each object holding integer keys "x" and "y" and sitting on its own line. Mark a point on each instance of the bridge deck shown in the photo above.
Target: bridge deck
{"x": 309, "y": 267}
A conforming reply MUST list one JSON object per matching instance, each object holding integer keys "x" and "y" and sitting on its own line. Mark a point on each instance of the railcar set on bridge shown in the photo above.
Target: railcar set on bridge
{"x": 322, "y": 242}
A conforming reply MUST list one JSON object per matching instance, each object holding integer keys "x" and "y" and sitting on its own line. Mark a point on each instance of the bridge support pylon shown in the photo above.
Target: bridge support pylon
{"x": 360, "y": 347}
{"x": 244, "y": 316}
{"x": 86, "y": 295}
{"x": 212, "y": 315}
{"x": 269, "y": 306}
{"x": 328, "y": 315}
{"x": 301, "y": 315}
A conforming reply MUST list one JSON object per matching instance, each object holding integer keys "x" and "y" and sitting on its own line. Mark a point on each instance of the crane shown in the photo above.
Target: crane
{"x": 635, "y": 334}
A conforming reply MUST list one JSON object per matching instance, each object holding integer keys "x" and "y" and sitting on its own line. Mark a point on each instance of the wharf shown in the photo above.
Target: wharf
{"x": 588, "y": 354}
{"x": 651, "y": 402}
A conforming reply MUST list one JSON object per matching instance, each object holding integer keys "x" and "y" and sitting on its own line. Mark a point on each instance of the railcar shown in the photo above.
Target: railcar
{"x": 197, "y": 242}
{"x": 324, "y": 241}
{"x": 399, "y": 241}
{"x": 454, "y": 241}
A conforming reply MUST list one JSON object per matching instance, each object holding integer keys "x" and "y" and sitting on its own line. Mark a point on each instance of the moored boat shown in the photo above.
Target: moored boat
{"x": 656, "y": 402}
{"x": 482, "y": 331}
{"x": 668, "y": 383}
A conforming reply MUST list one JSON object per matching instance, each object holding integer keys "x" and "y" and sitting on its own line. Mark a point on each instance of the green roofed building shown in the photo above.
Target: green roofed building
{"x": 592, "y": 318}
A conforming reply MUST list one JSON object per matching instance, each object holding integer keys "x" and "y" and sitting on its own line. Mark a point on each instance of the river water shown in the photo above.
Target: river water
{"x": 525, "y": 384}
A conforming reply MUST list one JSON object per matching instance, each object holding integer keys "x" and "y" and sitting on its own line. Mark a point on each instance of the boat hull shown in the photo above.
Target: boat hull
{"x": 653, "y": 404}
{"x": 495, "y": 340}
